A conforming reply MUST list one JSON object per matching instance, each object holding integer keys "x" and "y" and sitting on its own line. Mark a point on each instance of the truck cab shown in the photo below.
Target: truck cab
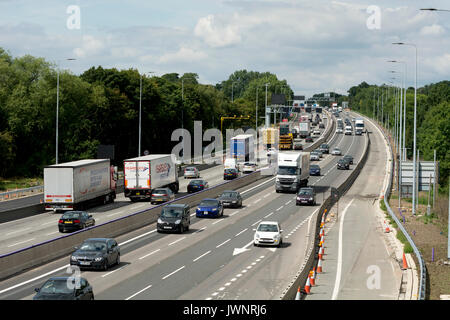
{"x": 292, "y": 172}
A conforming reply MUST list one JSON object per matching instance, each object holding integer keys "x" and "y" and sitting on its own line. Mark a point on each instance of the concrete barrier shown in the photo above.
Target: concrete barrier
{"x": 26, "y": 258}
{"x": 310, "y": 261}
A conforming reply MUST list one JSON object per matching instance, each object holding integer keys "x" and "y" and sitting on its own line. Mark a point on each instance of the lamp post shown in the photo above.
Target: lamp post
{"x": 267, "y": 114}
{"x": 57, "y": 107}
{"x": 140, "y": 111}
{"x": 415, "y": 124}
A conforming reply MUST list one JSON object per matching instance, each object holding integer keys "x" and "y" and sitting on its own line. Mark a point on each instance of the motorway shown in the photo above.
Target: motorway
{"x": 216, "y": 258}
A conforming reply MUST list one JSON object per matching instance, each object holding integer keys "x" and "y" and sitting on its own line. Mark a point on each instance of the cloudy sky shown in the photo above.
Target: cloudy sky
{"x": 316, "y": 45}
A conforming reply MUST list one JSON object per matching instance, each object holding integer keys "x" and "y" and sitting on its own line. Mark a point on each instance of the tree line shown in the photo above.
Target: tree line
{"x": 432, "y": 119}
{"x": 101, "y": 107}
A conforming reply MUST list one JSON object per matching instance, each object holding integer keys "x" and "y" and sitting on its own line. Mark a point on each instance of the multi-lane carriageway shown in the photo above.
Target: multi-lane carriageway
{"x": 216, "y": 258}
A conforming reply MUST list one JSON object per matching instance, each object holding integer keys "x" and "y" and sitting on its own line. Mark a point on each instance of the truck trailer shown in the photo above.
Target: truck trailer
{"x": 241, "y": 147}
{"x": 304, "y": 129}
{"x": 74, "y": 185}
{"x": 292, "y": 172}
{"x": 143, "y": 174}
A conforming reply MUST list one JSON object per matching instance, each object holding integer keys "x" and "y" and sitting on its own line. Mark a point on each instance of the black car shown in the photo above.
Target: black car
{"x": 197, "y": 185}
{"x": 230, "y": 174}
{"x": 349, "y": 158}
{"x": 75, "y": 220}
{"x": 174, "y": 217}
{"x": 309, "y": 139}
{"x": 321, "y": 126}
{"x": 325, "y": 148}
{"x": 64, "y": 288}
{"x": 343, "y": 164}
{"x": 306, "y": 196}
{"x": 231, "y": 198}
{"x": 96, "y": 253}
{"x": 314, "y": 170}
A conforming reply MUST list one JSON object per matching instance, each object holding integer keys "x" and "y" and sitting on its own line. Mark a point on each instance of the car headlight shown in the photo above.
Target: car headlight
{"x": 214, "y": 209}
{"x": 178, "y": 221}
{"x": 98, "y": 259}
{"x": 257, "y": 236}
{"x": 234, "y": 201}
{"x": 159, "y": 220}
{"x": 311, "y": 198}
{"x": 298, "y": 198}
{"x": 74, "y": 258}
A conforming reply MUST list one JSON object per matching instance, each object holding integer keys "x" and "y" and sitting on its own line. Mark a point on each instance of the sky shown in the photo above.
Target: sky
{"x": 316, "y": 45}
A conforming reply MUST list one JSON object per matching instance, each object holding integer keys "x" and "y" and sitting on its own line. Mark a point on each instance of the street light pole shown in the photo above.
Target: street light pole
{"x": 267, "y": 114}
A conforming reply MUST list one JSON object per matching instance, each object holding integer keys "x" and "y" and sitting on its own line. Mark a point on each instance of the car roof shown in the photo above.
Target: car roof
{"x": 269, "y": 222}
{"x": 98, "y": 239}
{"x": 176, "y": 205}
{"x": 210, "y": 199}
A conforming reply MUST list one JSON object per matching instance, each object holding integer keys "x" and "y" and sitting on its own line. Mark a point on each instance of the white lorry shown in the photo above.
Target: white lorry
{"x": 74, "y": 185}
{"x": 359, "y": 126}
{"x": 304, "y": 129}
{"x": 143, "y": 174}
{"x": 292, "y": 171}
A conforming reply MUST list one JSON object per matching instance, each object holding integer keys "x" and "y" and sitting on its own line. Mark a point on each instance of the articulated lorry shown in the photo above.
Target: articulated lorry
{"x": 143, "y": 174}
{"x": 293, "y": 171}
{"x": 74, "y": 185}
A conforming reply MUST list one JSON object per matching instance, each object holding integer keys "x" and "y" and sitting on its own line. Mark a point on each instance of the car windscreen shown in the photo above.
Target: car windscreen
{"x": 229, "y": 195}
{"x": 208, "y": 203}
{"x": 196, "y": 182}
{"x": 268, "y": 228}
{"x": 282, "y": 170}
{"x": 189, "y": 169}
{"x": 56, "y": 286}
{"x": 230, "y": 170}
{"x": 71, "y": 215}
{"x": 171, "y": 213}
{"x": 305, "y": 192}
{"x": 93, "y": 246}
{"x": 159, "y": 191}
{"x": 314, "y": 166}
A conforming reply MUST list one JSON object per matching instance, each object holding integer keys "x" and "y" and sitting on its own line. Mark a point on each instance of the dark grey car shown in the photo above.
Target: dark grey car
{"x": 343, "y": 164}
{"x": 96, "y": 253}
{"x": 64, "y": 288}
{"x": 161, "y": 195}
{"x": 349, "y": 158}
{"x": 306, "y": 196}
{"x": 174, "y": 217}
{"x": 231, "y": 198}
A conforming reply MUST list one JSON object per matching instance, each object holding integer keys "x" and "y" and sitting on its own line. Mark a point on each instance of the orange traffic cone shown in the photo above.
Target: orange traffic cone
{"x": 298, "y": 295}
{"x": 405, "y": 264}
{"x": 312, "y": 276}
{"x": 308, "y": 286}
{"x": 320, "y": 253}
{"x": 321, "y": 242}
{"x": 322, "y": 232}
{"x": 319, "y": 266}
{"x": 386, "y": 227}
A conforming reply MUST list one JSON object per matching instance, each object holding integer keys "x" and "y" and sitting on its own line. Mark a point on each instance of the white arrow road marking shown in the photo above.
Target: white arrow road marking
{"x": 237, "y": 251}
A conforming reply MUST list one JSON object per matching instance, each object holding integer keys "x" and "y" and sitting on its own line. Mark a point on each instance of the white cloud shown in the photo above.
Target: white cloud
{"x": 185, "y": 55}
{"x": 216, "y": 32}
{"x": 432, "y": 30}
{"x": 90, "y": 46}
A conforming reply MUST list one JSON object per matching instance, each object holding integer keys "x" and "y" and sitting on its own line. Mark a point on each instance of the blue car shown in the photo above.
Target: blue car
{"x": 209, "y": 208}
{"x": 314, "y": 170}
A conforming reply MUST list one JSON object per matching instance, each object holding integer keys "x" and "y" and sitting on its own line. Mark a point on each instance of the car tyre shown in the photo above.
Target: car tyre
{"x": 105, "y": 265}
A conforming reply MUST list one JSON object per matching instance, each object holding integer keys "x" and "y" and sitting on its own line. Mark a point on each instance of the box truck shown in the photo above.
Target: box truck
{"x": 74, "y": 185}
{"x": 242, "y": 148}
{"x": 359, "y": 126}
{"x": 304, "y": 129}
{"x": 143, "y": 174}
{"x": 292, "y": 171}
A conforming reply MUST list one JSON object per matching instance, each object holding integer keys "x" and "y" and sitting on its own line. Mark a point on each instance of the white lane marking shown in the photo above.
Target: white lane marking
{"x": 233, "y": 280}
{"x": 279, "y": 208}
{"x": 200, "y": 230}
{"x": 227, "y": 284}
{"x": 199, "y": 257}
{"x": 18, "y": 231}
{"x": 256, "y": 222}
{"x": 193, "y": 214}
{"x": 172, "y": 273}
{"x": 178, "y": 240}
{"x": 253, "y": 263}
{"x": 268, "y": 215}
{"x": 47, "y": 223}
{"x": 34, "y": 279}
{"x": 288, "y": 202}
{"x": 243, "y": 192}
{"x": 134, "y": 295}
{"x": 239, "y": 275}
{"x": 135, "y": 238}
{"x": 244, "y": 271}
{"x": 49, "y": 234}
{"x": 249, "y": 267}
{"x": 17, "y": 243}
{"x": 116, "y": 213}
{"x": 217, "y": 221}
{"x": 223, "y": 243}
{"x": 241, "y": 232}
{"x": 232, "y": 214}
{"x": 215, "y": 294}
{"x": 256, "y": 201}
{"x": 209, "y": 298}
{"x": 267, "y": 195}
{"x": 222, "y": 288}
{"x": 107, "y": 274}
{"x": 143, "y": 257}
{"x": 339, "y": 262}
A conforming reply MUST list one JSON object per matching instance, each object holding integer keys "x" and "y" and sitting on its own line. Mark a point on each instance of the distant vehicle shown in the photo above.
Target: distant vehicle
{"x": 359, "y": 126}
{"x": 309, "y": 139}
{"x": 249, "y": 167}
{"x": 209, "y": 208}
{"x": 349, "y": 158}
{"x": 348, "y": 130}
{"x": 325, "y": 148}
{"x": 56, "y": 288}
{"x": 314, "y": 156}
{"x": 160, "y": 195}
{"x": 319, "y": 152}
{"x": 321, "y": 126}
{"x": 144, "y": 174}
{"x": 96, "y": 253}
{"x": 268, "y": 233}
{"x": 298, "y": 145}
{"x": 314, "y": 170}
{"x": 304, "y": 129}
{"x": 197, "y": 185}
{"x": 306, "y": 196}
{"x": 229, "y": 174}
{"x": 343, "y": 164}
{"x": 336, "y": 152}
{"x": 174, "y": 217}
{"x": 75, "y": 220}
{"x": 230, "y": 163}
{"x": 191, "y": 172}
{"x": 74, "y": 185}
{"x": 339, "y": 130}
{"x": 231, "y": 198}
{"x": 316, "y": 132}
{"x": 292, "y": 172}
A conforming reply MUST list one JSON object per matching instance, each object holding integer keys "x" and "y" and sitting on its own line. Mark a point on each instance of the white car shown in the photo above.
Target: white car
{"x": 336, "y": 152}
{"x": 339, "y": 130}
{"x": 249, "y": 167}
{"x": 191, "y": 172}
{"x": 268, "y": 233}
{"x": 313, "y": 156}
{"x": 316, "y": 132}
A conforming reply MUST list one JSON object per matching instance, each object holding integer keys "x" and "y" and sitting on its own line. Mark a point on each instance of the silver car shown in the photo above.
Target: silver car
{"x": 160, "y": 195}
{"x": 313, "y": 156}
{"x": 191, "y": 172}
{"x": 336, "y": 152}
